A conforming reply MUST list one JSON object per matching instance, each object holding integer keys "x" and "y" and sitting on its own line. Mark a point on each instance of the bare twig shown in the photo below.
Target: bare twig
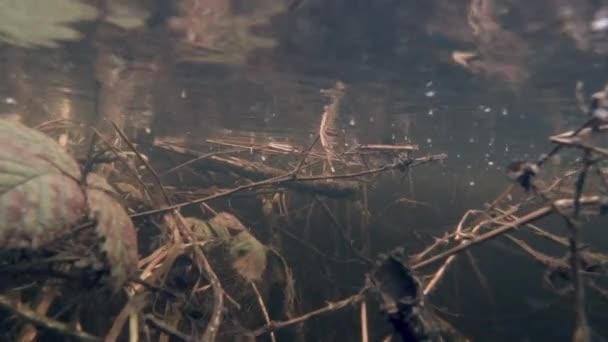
{"x": 32, "y": 317}
{"x": 161, "y": 326}
{"x": 288, "y": 177}
{"x": 263, "y": 308}
{"x": 143, "y": 161}
{"x": 330, "y": 307}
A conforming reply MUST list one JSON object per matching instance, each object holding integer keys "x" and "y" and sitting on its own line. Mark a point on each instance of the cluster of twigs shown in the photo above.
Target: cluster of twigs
{"x": 580, "y": 264}
{"x": 183, "y": 290}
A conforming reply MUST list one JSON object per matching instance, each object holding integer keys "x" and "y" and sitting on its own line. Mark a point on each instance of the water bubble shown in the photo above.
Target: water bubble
{"x": 504, "y": 112}
{"x": 10, "y": 100}
{"x": 431, "y": 112}
{"x": 490, "y": 163}
{"x": 471, "y": 183}
{"x": 429, "y": 93}
{"x": 429, "y": 140}
{"x": 183, "y": 94}
{"x": 458, "y": 155}
{"x": 487, "y": 109}
{"x": 352, "y": 122}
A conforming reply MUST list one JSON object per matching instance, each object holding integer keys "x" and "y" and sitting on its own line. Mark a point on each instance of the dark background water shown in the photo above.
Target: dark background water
{"x": 253, "y": 70}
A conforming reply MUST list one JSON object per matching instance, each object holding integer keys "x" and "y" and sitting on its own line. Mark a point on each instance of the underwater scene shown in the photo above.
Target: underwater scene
{"x": 303, "y": 170}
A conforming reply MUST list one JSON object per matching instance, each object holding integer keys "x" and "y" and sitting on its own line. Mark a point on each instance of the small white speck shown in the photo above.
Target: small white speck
{"x": 429, "y": 93}
{"x": 490, "y": 163}
{"x": 487, "y": 109}
{"x": 471, "y": 183}
{"x": 352, "y": 122}
{"x": 263, "y": 158}
{"x": 148, "y": 130}
{"x": 371, "y": 119}
{"x": 458, "y": 155}
{"x": 600, "y": 24}
{"x": 393, "y": 137}
{"x": 429, "y": 83}
{"x": 183, "y": 94}
{"x": 10, "y": 100}
{"x": 429, "y": 140}
{"x": 505, "y": 112}
{"x": 471, "y": 140}
{"x": 431, "y": 112}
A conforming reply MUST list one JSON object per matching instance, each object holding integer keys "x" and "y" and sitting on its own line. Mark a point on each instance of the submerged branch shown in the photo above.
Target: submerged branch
{"x": 31, "y": 316}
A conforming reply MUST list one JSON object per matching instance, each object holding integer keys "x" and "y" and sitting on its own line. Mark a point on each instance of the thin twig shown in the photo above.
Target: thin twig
{"x": 29, "y": 315}
{"x": 143, "y": 161}
{"x": 535, "y": 215}
{"x": 161, "y": 326}
{"x": 288, "y": 177}
{"x": 263, "y": 308}
{"x": 330, "y": 307}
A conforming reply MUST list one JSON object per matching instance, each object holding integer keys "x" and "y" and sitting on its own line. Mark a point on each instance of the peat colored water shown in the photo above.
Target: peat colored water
{"x": 484, "y": 81}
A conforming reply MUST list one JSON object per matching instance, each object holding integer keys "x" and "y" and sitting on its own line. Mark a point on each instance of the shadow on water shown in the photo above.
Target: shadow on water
{"x": 484, "y": 81}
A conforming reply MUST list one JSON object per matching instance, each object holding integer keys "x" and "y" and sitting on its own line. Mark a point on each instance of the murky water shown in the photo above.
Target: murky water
{"x": 485, "y": 81}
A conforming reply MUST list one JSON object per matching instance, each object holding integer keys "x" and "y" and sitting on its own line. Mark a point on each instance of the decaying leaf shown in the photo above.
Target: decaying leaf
{"x": 227, "y": 221}
{"x": 119, "y": 240}
{"x": 249, "y": 256}
{"x": 204, "y": 231}
{"x": 40, "y": 197}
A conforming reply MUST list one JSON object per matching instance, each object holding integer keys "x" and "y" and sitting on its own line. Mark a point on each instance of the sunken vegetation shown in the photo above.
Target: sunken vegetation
{"x": 96, "y": 245}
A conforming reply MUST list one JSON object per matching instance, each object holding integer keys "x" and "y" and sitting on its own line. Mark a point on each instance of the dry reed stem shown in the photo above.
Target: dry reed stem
{"x": 363, "y": 316}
